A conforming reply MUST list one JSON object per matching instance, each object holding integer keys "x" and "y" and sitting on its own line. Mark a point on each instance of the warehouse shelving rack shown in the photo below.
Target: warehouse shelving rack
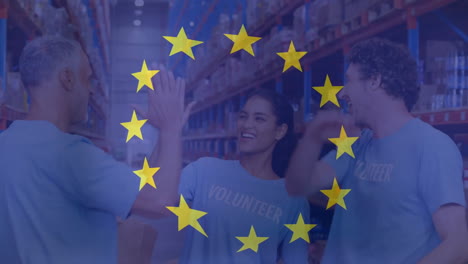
{"x": 98, "y": 15}
{"x": 218, "y": 142}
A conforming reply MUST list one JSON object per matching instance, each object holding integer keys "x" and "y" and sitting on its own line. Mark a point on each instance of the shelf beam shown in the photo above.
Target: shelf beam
{"x": 307, "y": 92}
{"x": 3, "y": 47}
{"x": 279, "y": 85}
{"x": 442, "y": 17}
{"x": 413, "y": 36}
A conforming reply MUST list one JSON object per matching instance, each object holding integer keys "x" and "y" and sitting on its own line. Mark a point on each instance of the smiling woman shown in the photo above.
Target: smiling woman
{"x": 248, "y": 194}
{"x": 266, "y": 124}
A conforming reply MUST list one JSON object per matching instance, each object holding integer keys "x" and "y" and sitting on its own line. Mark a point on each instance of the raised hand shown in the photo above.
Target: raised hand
{"x": 327, "y": 124}
{"x": 166, "y": 104}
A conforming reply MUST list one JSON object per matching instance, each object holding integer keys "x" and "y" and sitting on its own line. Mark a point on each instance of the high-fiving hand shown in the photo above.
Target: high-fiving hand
{"x": 166, "y": 103}
{"x": 327, "y": 124}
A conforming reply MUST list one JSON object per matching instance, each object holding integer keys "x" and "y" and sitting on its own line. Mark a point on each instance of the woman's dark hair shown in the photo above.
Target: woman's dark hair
{"x": 284, "y": 115}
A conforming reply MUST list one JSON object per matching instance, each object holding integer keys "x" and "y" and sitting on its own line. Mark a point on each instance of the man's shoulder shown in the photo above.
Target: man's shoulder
{"x": 432, "y": 142}
{"x": 78, "y": 147}
{"x": 429, "y": 134}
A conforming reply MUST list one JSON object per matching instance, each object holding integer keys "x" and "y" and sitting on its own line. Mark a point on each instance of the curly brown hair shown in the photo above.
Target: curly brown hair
{"x": 393, "y": 62}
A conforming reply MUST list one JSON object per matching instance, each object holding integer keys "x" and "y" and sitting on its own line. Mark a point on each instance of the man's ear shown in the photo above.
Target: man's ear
{"x": 66, "y": 78}
{"x": 375, "y": 82}
{"x": 281, "y": 131}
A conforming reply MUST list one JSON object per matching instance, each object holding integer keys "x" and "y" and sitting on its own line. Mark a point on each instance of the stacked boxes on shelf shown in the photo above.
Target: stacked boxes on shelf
{"x": 216, "y": 46}
{"x": 233, "y": 70}
{"x": 57, "y": 22}
{"x": 258, "y": 11}
{"x": 231, "y": 119}
{"x": 445, "y": 76}
{"x": 355, "y": 8}
{"x": 329, "y": 14}
{"x": 202, "y": 90}
{"x": 255, "y": 12}
{"x": 218, "y": 79}
{"x": 316, "y": 20}
{"x": 277, "y": 41}
{"x": 380, "y": 9}
{"x": 357, "y": 12}
{"x": 247, "y": 69}
{"x": 95, "y": 46}
{"x": 231, "y": 149}
{"x": 15, "y": 96}
{"x": 305, "y": 24}
{"x": 71, "y": 18}
{"x": 35, "y": 10}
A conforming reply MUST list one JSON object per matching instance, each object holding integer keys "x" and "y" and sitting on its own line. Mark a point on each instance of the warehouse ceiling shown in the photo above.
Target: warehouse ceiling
{"x": 136, "y": 35}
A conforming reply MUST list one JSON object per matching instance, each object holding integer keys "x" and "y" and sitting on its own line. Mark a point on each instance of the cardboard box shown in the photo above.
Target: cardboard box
{"x": 355, "y": 8}
{"x": 135, "y": 242}
{"x": 330, "y": 13}
{"x": 425, "y": 99}
{"x": 439, "y": 48}
{"x": 15, "y": 96}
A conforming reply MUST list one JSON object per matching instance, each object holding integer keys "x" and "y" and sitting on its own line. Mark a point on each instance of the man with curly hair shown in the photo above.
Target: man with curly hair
{"x": 406, "y": 203}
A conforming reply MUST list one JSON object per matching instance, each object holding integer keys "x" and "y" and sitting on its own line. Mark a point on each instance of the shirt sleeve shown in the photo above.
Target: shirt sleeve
{"x": 441, "y": 173}
{"x": 188, "y": 181}
{"x": 297, "y": 251}
{"x": 340, "y": 166}
{"x": 101, "y": 182}
{"x": 345, "y": 161}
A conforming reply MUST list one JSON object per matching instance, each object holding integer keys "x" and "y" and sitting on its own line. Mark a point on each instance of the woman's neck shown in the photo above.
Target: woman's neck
{"x": 259, "y": 165}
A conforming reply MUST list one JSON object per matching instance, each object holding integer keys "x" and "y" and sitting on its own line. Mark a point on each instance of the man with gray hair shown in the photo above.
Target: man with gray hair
{"x": 59, "y": 194}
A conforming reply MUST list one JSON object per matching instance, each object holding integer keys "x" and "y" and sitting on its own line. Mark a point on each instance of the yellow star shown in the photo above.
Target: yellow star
{"x": 292, "y": 57}
{"x": 146, "y": 175}
{"x": 188, "y": 216}
{"x": 328, "y": 92}
{"x": 182, "y": 44}
{"x": 336, "y": 195}
{"x": 242, "y": 41}
{"x": 300, "y": 229}
{"x": 144, "y": 77}
{"x": 134, "y": 127}
{"x": 252, "y": 241}
{"x": 344, "y": 143}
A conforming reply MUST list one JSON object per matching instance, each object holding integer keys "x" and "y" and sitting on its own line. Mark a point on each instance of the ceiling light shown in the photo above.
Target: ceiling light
{"x": 137, "y": 22}
{"x": 191, "y": 23}
{"x": 139, "y": 3}
{"x": 138, "y": 12}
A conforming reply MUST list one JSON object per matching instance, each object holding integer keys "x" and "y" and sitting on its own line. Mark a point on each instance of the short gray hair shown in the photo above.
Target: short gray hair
{"x": 45, "y": 55}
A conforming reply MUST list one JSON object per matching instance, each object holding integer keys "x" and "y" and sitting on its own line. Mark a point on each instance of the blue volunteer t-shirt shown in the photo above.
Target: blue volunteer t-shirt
{"x": 235, "y": 200}
{"x": 397, "y": 183}
{"x": 59, "y": 197}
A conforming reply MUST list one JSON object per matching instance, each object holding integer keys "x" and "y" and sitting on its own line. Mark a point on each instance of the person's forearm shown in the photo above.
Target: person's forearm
{"x": 168, "y": 157}
{"x": 151, "y": 203}
{"x": 450, "y": 252}
{"x": 302, "y": 165}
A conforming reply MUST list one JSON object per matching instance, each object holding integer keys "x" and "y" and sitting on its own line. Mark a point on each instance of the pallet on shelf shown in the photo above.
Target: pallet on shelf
{"x": 445, "y": 117}
{"x": 259, "y": 29}
{"x": 24, "y": 19}
{"x": 380, "y": 10}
